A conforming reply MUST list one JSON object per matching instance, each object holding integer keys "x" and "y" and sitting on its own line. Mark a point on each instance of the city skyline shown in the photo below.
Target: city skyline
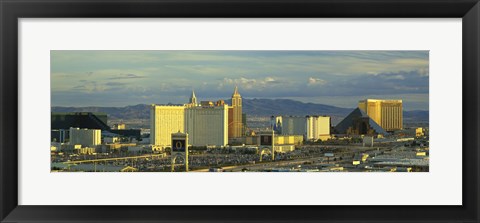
{"x": 196, "y": 114}
{"x": 338, "y": 78}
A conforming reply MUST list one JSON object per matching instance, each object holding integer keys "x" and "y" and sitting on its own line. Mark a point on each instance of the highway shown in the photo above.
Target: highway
{"x": 115, "y": 159}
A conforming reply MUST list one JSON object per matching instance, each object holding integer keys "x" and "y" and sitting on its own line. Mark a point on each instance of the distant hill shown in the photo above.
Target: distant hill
{"x": 268, "y": 107}
{"x": 415, "y": 116}
{"x": 252, "y": 107}
{"x": 139, "y": 111}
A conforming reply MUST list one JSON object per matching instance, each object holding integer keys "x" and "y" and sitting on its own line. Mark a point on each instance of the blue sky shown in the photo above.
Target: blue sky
{"x": 340, "y": 78}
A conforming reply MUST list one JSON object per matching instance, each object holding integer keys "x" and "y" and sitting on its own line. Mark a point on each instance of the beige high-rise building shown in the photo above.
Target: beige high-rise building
{"x": 318, "y": 127}
{"x": 235, "y": 124}
{"x": 207, "y": 125}
{"x": 165, "y": 120}
{"x": 85, "y": 137}
{"x": 386, "y": 113}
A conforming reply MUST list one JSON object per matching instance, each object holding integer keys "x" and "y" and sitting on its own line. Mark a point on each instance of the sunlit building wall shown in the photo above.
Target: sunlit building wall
{"x": 207, "y": 125}
{"x": 392, "y": 115}
{"x": 318, "y": 127}
{"x": 165, "y": 120}
{"x": 386, "y": 113}
{"x": 235, "y": 122}
{"x": 288, "y": 139}
{"x": 244, "y": 123}
{"x": 278, "y": 140}
{"x": 85, "y": 137}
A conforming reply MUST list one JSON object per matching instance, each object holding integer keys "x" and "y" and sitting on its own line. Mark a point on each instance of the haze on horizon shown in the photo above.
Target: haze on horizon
{"x": 338, "y": 78}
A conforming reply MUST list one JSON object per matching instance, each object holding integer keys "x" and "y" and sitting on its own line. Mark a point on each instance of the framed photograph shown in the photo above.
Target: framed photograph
{"x": 227, "y": 111}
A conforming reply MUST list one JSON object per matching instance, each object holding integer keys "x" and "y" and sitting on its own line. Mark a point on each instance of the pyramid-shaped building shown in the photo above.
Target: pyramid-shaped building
{"x": 359, "y": 123}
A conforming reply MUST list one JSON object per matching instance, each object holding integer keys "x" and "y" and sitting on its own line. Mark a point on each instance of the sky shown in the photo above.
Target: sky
{"x": 338, "y": 78}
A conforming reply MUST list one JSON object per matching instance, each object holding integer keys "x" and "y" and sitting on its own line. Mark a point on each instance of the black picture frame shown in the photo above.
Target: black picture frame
{"x": 12, "y": 10}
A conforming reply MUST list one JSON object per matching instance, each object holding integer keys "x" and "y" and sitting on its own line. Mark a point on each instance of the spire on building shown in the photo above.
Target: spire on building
{"x": 235, "y": 129}
{"x": 235, "y": 92}
{"x": 193, "y": 98}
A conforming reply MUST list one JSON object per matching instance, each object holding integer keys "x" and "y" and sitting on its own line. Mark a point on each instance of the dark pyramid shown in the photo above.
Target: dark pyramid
{"x": 354, "y": 119}
{"x": 89, "y": 120}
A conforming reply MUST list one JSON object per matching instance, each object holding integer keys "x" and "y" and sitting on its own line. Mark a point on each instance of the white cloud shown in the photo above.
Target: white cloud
{"x": 269, "y": 79}
{"x": 113, "y": 75}
{"x": 250, "y": 83}
{"x": 316, "y": 81}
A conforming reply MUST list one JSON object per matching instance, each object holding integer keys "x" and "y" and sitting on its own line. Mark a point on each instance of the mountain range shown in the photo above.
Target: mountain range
{"x": 252, "y": 107}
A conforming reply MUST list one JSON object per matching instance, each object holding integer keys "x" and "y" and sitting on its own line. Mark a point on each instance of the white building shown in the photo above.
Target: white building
{"x": 207, "y": 125}
{"x": 165, "y": 120}
{"x": 85, "y": 137}
{"x": 318, "y": 127}
{"x": 293, "y": 125}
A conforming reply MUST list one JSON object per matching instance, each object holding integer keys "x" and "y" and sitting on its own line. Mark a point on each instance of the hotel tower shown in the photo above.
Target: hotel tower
{"x": 386, "y": 113}
{"x": 235, "y": 116}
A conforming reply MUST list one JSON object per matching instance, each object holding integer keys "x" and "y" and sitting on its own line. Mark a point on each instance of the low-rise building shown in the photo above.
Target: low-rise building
{"x": 85, "y": 137}
{"x": 111, "y": 139}
{"x": 419, "y": 132}
{"x": 85, "y": 150}
{"x": 278, "y": 140}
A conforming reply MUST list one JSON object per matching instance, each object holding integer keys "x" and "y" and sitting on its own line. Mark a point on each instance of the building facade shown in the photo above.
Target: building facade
{"x": 85, "y": 137}
{"x": 235, "y": 122}
{"x": 318, "y": 127}
{"x": 207, "y": 125}
{"x": 165, "y": 120}
{"x": 293, "y": 125}
{"x": 386, "y": 113}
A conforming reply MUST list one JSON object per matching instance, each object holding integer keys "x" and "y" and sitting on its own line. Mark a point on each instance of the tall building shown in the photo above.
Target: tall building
{"x": 85, "y": 137}
{"x": 386, "y": 113}
{"x": 165, "y": 120}
{"x": 293, "y": 125}
{"x": 207, "y": 125}
{"x": 235, "y": 122}
{"x": 318, "y": 127}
